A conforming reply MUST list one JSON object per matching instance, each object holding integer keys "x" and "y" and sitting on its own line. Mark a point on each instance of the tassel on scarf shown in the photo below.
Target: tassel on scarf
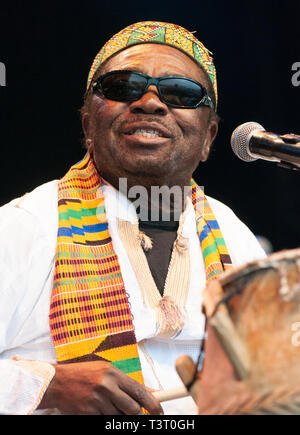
{"x": 145, "y": 241}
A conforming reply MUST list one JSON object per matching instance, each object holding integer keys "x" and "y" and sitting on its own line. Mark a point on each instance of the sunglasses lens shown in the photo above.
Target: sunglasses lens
{"x": 130, "y": 86}
{"x": 181, "y": 92}
{"x": 123, "y": 86}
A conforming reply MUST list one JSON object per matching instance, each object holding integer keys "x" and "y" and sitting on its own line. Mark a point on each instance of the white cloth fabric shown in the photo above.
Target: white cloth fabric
{"x": 28, "y": 236}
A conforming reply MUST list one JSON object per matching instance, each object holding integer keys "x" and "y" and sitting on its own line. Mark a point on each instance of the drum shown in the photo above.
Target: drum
{"x": 255, "y": 312}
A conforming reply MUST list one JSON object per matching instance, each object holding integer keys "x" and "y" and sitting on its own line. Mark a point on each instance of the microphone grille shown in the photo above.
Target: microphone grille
{"x": 240, "y": 140}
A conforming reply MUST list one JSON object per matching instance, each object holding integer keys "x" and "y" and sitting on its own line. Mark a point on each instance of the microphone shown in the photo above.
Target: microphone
{"x": 250, "y": 142}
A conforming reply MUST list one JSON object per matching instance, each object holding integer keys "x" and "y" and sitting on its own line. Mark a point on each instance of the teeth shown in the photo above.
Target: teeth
{"x": 146, "y": 133}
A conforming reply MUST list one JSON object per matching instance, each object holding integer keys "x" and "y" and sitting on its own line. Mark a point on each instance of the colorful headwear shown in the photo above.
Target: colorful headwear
{"x": 147, "y": 32}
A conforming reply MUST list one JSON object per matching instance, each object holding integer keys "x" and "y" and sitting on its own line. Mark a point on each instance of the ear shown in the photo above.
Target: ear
{"x": 85, "y": 121}
{"x": 211, "y": 134}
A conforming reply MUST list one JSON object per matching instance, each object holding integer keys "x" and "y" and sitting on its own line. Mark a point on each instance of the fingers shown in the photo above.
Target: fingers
{"x": 141, "y": 396}
{"x": 126, "y": 394}
{"x": 147, "y": 400}
{"x": 126, "y": 404}
{"x": 105, "y": 406}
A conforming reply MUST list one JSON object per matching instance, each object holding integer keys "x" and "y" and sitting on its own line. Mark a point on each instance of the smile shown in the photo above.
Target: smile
{"x": 145, "y": 133}
{"x": 148, "y": 130}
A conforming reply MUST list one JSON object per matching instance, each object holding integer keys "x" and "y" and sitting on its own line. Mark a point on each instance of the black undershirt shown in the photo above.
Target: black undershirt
{"x": 163, "y": 234}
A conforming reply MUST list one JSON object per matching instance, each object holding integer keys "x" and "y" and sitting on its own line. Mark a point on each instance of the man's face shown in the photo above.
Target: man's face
{"x": 116, "y": 130}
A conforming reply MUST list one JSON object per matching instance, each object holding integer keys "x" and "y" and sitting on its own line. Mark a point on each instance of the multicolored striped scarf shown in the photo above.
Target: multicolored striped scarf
{"x": 90, "y": 317}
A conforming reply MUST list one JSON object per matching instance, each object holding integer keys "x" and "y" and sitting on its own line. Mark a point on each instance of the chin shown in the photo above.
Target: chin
{"x": 148, "y": 168}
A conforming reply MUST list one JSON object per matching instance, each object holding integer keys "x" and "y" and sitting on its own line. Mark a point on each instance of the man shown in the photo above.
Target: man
{"x": 100, "y": 295}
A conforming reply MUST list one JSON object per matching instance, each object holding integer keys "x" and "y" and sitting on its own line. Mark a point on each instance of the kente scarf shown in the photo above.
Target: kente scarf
{"x": 90, "y": 317}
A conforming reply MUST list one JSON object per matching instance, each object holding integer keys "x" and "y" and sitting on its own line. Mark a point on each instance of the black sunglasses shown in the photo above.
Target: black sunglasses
{"x": 180, "y": 92}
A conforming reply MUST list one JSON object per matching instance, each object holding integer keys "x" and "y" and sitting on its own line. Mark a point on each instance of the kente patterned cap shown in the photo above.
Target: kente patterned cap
{"x": 157, "y": 32}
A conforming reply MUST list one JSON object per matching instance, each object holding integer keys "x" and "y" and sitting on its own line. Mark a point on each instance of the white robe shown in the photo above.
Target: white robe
{"x": 28, "y": 236}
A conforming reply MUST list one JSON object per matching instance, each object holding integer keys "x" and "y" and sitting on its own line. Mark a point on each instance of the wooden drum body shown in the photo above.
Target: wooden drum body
{"x": 255, "y": 312}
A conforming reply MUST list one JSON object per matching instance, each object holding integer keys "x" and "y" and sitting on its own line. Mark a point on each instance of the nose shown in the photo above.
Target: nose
{"x": 149, "y": 103}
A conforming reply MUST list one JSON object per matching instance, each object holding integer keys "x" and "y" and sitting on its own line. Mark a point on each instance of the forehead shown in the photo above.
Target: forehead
{"x": 155, "y": 60}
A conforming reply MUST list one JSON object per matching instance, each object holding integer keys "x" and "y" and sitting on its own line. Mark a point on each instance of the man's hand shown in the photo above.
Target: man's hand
{"x": 96, "y": 387}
